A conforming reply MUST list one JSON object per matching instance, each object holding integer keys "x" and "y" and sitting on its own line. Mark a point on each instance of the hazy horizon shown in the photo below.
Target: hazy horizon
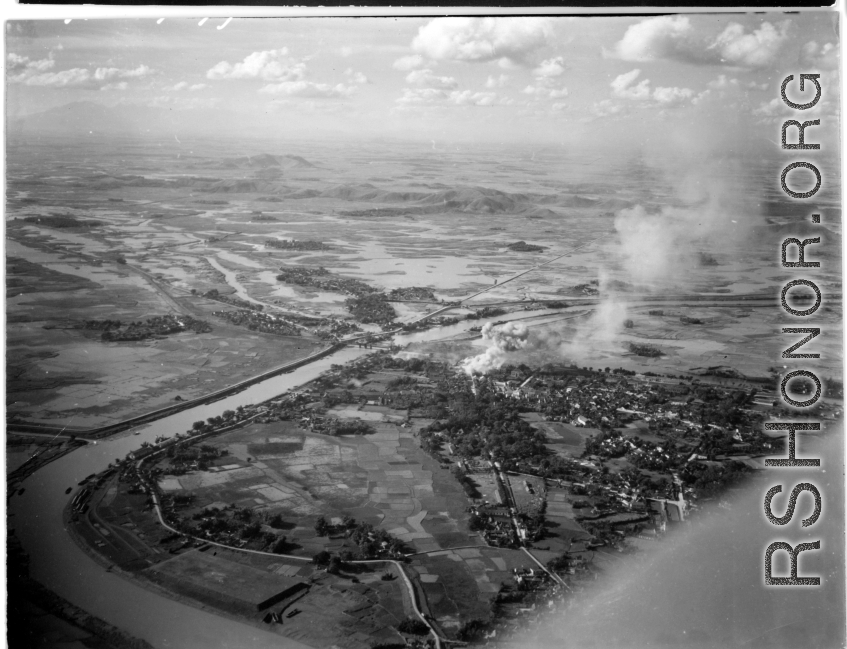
{"x": 693, "y": 80}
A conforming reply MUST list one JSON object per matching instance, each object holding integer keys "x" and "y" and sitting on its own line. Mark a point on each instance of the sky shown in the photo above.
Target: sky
{"x": 578, "y": 80}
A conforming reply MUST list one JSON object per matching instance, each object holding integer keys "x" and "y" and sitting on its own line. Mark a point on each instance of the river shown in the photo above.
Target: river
{"x": 58, "y": 563}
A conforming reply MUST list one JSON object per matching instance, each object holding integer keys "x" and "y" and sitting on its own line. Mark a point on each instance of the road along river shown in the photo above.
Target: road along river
{"x": 58, "y": 563}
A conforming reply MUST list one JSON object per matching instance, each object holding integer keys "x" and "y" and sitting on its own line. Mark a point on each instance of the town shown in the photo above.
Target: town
{"x": 560, "y": 464}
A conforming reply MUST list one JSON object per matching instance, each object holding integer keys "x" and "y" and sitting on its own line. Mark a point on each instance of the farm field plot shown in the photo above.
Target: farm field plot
{"x": 460, "y": 584}
{"x": 383, "y": 479}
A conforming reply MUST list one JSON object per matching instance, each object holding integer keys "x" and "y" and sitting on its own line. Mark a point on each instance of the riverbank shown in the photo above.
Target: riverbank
{"x": 38, "y": 617}
{"x": 105, "y": 431}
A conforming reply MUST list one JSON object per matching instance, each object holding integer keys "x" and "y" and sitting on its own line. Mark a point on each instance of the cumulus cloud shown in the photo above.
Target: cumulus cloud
{"x": 108, "y": 74}
{"x": 30, "y": 72}
{"x": 120, "y": 85}
{"x": 421, "y": 96}
{"x": 469, "y": 97}
{"x": 406, "y": 63}
{"x": 23, "y": 66}
{"x": 355, "y": 77}
{"x": 184, "y": 85}
{"x": 770, "y": 108}
{"x": 674, "y": 38}
{"x": 65, "y": 78}
{"x": 722, "y": 83}
{"x": 307, "y": 89}
{"x": 545, "y": 92}
{"x": 663, "y": 37}
{"x": 606, "y": 108}
{"x": 268, "y": 65}
{"x": 427, "y": 79}
{"x": 754, "y": 50}
{"x": 672, "y": 96}
{"x": 412, "y": 96}
{"x": 496, "y": 82}
{"x": 550, "y": 68}
{"x": 823, "y": 57}
{"x": 508, "y": 40}
{"x": 624, "y": 87}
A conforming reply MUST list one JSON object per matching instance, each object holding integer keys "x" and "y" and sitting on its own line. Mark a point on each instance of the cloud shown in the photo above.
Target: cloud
{"x": 663, "y": 37}
{"x": 606, "y": 108}
{"x": 184, "y": 85}
{"x": 65, "y": 78}
{"x": 406, "y": 63}
{"x": 17, "y": 65}
{"x": 674, "y": 38}
{"x": 34, "y": 73}
{"x": 509, "y": 41}
{"x": 770, "y": 108}
{"x": 550, "y": 68}
{"x": 345, "y": 51}
{"x": 550, "y": 93}
{"x": 108, "y": 74}
{"x": 672, "y": 96}
{"x": 420, "y": 96}
{"x": 723, "y": 83}
{"x": 120, "y": 85}
{"x": 496, "y": 82}
{"x": 268, "y": 65}
{"x": 469, "y": 97}
{"x": 623, "y": 88}
{"x": 822, "y": 57}
{"x": 308, "y": 89}
{"x": 425, "y": 78}
{"x": 355, "y": 77}
{"x": 755, "y": 50}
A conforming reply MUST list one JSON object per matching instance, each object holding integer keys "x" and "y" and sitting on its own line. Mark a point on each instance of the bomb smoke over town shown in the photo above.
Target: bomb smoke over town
{"x": 422, "y": 332}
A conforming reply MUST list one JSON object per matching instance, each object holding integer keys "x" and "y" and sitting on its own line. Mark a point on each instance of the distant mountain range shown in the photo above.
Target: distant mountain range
{"x": 376, "y": 202}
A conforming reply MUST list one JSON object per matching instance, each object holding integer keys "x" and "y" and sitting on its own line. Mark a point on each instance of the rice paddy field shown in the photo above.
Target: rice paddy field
{"x": 384, "y": 479}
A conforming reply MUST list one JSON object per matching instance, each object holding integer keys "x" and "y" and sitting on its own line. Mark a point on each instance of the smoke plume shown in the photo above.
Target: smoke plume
{"x": 502, "y": 341}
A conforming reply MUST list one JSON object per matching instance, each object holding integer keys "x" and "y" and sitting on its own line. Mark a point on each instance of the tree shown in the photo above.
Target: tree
{"x": 251, "y": 531}
{"x": 198, "y": 425}
{"x": 334, "y": 565}
{"x": 280, "y": 546}
{"x": 413, "y": 626}
{"x": 321, "y": 558}
{"x": 321, "y": 526}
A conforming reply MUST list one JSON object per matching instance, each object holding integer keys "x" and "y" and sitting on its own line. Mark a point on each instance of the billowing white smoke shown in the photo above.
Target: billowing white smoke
{"x": 659, "y": 250}
{"x": 503, "y": 340}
